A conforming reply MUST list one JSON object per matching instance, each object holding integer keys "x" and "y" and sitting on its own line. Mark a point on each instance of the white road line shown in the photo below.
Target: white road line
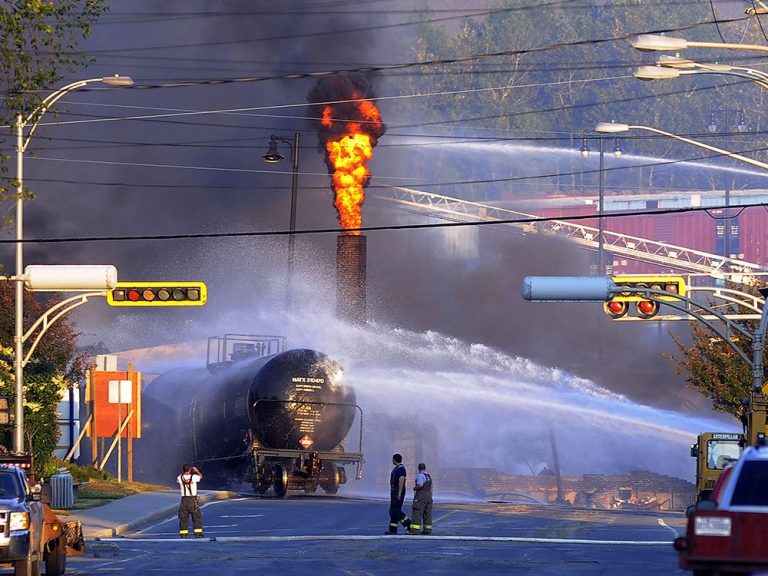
{"x": 668, "y": 527}
{"x": 399, "y": 537}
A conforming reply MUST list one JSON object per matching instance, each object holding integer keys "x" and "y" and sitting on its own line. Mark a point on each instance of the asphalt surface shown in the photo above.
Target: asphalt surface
{"x": 344, "y": 535}
{"x": 128, "y": 513}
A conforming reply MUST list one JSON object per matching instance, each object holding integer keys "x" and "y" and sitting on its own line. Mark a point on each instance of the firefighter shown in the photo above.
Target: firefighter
{"x": 397, "y": 496}
{"x": 422, "y": 503}
{"x": 187, "y": 482}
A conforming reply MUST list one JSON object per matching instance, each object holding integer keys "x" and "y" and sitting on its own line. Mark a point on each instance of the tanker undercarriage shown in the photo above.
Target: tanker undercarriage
{"x": 300, "y": 470}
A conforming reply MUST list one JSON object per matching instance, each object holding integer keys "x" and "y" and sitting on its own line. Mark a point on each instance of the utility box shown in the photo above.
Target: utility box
{"x": 62, "y": 491}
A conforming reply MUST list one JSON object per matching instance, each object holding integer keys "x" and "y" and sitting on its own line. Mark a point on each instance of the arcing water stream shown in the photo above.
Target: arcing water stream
{"x": 481, "y": 407}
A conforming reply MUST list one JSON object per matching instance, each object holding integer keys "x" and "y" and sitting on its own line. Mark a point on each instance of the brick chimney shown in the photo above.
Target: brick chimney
{"x": 350, "y": 278}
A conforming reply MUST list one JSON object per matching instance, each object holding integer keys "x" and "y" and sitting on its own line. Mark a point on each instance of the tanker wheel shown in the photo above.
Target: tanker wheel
{"x": 279, "y": 481}
{"x": 334, "y": 479}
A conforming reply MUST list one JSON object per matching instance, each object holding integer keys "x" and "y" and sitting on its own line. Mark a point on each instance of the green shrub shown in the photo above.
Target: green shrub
{"x": 79, "y": 473}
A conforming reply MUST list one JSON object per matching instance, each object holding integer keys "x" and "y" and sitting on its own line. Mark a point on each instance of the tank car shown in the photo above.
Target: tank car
{"x": 261, "y": 414}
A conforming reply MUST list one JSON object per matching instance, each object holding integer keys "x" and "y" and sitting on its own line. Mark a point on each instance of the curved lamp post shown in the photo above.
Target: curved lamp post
{"x": 273, "y": 156}
{"x": 22, "y": 142}
{"x": 614, "y": 128}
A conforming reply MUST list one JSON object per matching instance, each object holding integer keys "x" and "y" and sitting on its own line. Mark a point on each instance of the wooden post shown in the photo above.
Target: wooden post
{"x": 90, "y": 394}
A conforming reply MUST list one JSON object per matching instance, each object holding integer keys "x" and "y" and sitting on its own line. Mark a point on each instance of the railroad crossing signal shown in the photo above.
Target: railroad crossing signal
{"x": 619, "y": 305}
{"x": 158, "y": 294}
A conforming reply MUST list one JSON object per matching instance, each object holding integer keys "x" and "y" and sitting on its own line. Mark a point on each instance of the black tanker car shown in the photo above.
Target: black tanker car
{"x": 258, "y": 413}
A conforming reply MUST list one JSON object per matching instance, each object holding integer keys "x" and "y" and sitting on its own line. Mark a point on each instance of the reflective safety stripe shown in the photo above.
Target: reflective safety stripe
{"x": 200, "y": 530}
{"x": 183, "y": 531}
{"x": 427, "y": 526}
{"x": 415, "y": 526}
{"x": 393, "y": 525}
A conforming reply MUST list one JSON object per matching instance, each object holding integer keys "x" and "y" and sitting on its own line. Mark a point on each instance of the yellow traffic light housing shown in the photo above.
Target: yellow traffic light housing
{"x": 618, "y": 306}
{"x": 158, "y": 294}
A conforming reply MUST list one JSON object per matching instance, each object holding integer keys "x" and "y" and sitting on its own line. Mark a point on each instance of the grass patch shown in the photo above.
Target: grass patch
{"x": 99, "y": 492}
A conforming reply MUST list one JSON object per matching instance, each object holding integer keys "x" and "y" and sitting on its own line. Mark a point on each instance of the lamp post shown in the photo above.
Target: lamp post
{"x": 727, "y": 114}
{"x": 615, "y": 127}
{"x": 273, "y": 156}
{"x": 22, "y": 142}
{"x": 600, "y": 195}
{"x": 603, "y": 289}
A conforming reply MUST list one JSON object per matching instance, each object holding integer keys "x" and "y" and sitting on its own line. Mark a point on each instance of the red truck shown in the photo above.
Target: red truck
{"x": 728, "y": 534}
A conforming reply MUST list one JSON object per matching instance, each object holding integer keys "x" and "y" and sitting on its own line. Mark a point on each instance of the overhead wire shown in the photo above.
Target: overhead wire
{"x": 365, "y": 229}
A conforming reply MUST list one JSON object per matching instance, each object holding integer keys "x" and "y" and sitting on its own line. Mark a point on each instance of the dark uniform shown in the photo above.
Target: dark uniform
{"x": 396, "y": 514}
{"x": 422, "y": 505}
{"x": 189, "y": 505}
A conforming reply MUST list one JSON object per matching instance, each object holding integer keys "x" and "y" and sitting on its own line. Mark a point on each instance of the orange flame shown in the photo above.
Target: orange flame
{"x": 348, "y": 154}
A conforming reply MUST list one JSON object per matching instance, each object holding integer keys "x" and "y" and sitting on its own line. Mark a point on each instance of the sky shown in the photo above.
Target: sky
{"x": 181, "y": 153}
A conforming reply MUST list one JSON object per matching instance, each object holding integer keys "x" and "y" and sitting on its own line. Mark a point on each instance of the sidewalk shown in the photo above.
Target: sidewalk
{"x": 131, "y": 512}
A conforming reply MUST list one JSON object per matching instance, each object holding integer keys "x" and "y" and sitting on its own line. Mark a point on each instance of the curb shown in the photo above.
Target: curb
{"x": 118, "y": 529}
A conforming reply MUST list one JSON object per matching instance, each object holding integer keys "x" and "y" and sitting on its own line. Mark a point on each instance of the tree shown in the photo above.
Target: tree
{"x": 56, "y": 366}
{"x": 38, "y": 45}
{"x": 712, "y": 366}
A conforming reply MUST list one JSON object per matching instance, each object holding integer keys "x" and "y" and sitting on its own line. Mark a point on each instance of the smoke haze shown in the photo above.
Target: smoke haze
{"x": 451, "y": 339}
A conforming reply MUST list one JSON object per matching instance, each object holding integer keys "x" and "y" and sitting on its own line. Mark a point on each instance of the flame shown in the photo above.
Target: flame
{"x": 348, "y": 150}
{"x": 350, "y": 175}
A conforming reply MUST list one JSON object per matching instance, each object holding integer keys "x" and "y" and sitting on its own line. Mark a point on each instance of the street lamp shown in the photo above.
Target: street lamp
{"x": 667, "y": 69}
{"x": 273, "y": 156}
{"x": 657, "y": 43}
{"x": 615, "y": 128}
{"x": 741, "y": 126}
{"x": 22, "y": 142}
{"x": 584, "y": 150}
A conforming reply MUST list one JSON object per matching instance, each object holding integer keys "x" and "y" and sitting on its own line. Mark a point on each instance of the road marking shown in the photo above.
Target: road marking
{"x": 667, "y": 526}
{"x": 420, "y": 539}
{"x": 242, "y": 516}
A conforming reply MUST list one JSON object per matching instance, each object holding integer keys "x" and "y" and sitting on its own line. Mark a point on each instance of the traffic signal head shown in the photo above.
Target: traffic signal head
{"x": 616, "y": 309}
{"x": 618, "y": 306}
{"x": 158, "y": 294}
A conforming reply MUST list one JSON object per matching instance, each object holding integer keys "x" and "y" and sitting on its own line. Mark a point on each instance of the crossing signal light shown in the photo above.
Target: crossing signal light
{"x": 619, "y": 305}
{"x": 158, "y": 294}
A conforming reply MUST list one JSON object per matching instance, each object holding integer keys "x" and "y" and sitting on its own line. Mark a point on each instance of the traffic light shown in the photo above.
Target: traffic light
{"x": 5, "y": 410}
{"x": 158, "y": 294}
{"x": 619, "y": 305}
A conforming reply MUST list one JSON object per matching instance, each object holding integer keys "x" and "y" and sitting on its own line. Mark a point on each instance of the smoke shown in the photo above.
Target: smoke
{"x": 107, "y": 180}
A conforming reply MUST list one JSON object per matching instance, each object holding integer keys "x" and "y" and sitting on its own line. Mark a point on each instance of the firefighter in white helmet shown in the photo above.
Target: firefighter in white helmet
{"x": 187, "y": 482}
{"x": 421, "y": 511}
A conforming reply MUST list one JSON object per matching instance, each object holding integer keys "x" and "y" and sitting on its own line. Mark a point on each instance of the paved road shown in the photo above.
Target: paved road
{"x": 318, "y": 536}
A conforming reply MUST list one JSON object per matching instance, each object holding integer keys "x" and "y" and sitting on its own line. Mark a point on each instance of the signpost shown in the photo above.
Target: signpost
{"x": 119, "y": 393}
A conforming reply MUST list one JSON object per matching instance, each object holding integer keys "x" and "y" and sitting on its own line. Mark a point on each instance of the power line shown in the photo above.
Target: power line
{"x": 316, "y": 231}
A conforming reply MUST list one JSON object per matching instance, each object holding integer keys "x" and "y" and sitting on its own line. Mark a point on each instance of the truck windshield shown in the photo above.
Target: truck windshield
{"x": 750, "y": 486}
{"x": 10, "y": 487}
{"x": 721, "y": 453}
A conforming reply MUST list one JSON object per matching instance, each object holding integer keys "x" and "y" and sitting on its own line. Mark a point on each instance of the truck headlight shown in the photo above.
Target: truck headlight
{"x": 19, "y": 521}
